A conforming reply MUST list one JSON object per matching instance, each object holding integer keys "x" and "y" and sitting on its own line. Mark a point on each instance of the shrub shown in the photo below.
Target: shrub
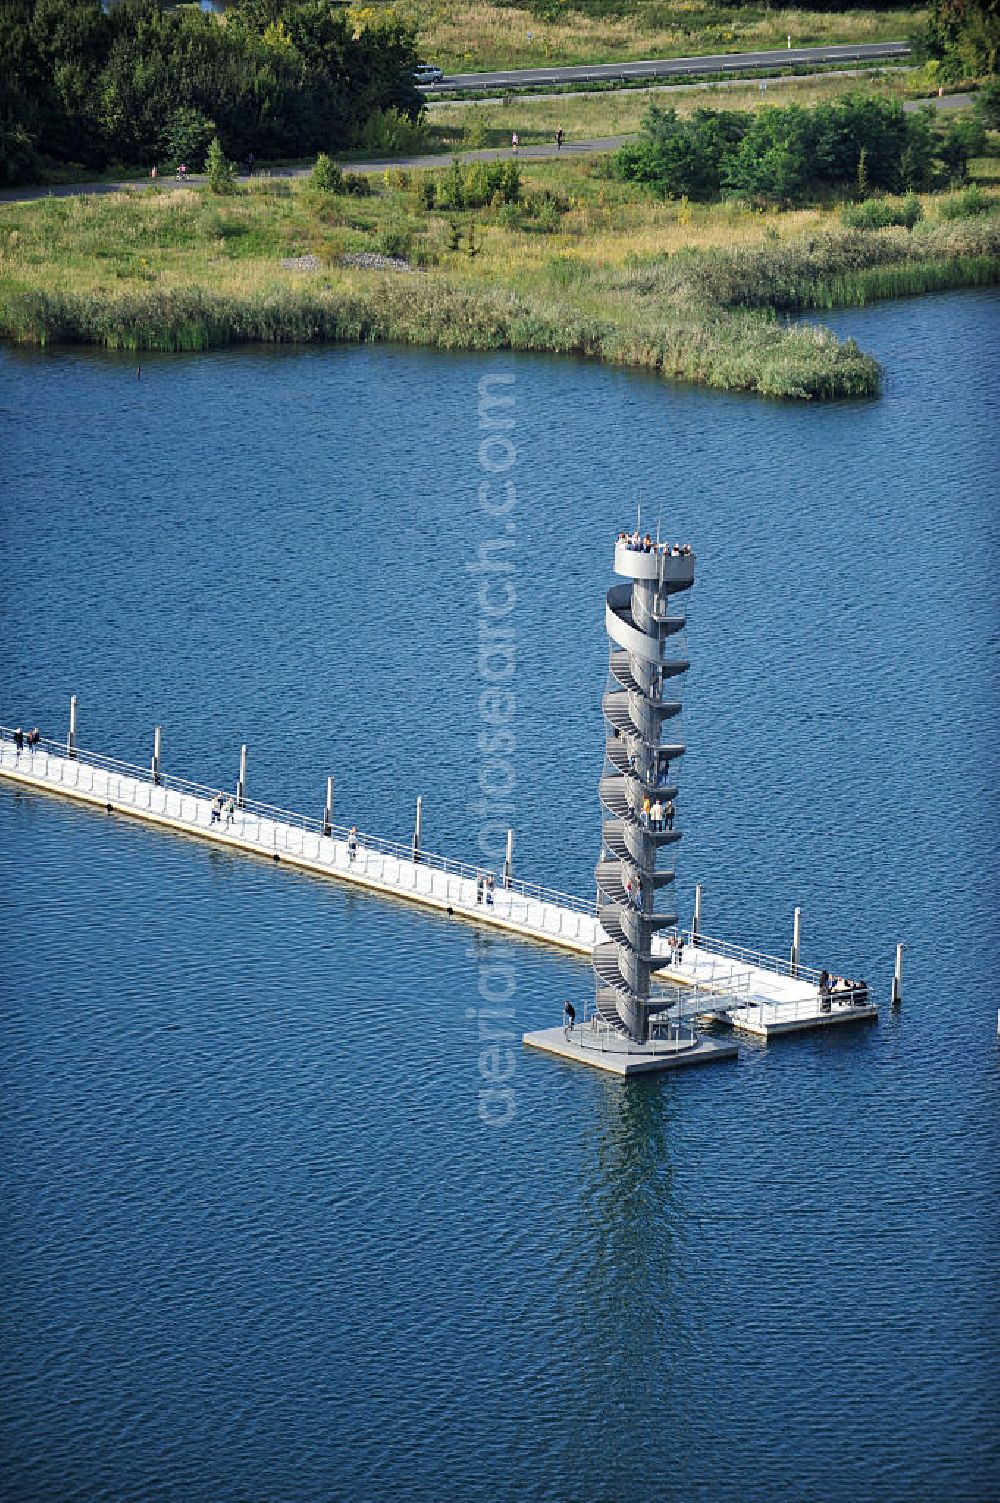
{"x": 326, "y": 176}
{"x": 221, "y": 178}
{"x": 966, "y": 203}
{"x": 478, "y": 184}
{"x": 677, "y": 156}
{"x": 358, "y": 185}
{"x": 880, "y": 213}
{"x": 509, "y": 216}
{"x": 545, "y": 209}
{"x": 960, "y": 140}
{"x": 396, "y": 239}
{"x": 476, "y": 130}
{"x": 19, "y": 161}
{"x": 987, "y": 104}
{"x": 390, "y": 130}
{"x": 779, "y": 153}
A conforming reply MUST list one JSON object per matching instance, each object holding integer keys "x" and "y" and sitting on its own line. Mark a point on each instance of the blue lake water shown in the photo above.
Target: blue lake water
{"x": 257, "y": 1242}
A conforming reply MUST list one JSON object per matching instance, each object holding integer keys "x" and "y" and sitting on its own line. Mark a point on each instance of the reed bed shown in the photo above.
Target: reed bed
{"x": 700, "y": 293}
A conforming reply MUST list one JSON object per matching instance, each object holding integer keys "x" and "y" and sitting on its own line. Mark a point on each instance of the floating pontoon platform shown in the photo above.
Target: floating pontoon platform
{"x": 756, "y": 993}
{"x": 587, "y": 1045}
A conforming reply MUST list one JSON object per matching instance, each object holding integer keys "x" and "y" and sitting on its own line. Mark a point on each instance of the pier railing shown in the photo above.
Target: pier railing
{"x": 756, "y": 958}
{"x": 273, "y": 830}
{"x": 52, "y": 759}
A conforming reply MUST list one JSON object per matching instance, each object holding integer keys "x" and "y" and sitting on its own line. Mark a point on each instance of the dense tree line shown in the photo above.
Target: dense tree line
{"x": 142, "y": 82}
{"x": 782, "y": 154}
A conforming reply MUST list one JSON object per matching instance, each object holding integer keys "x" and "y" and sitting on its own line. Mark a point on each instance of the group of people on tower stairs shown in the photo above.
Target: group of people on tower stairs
{"x": 657, "y": 816}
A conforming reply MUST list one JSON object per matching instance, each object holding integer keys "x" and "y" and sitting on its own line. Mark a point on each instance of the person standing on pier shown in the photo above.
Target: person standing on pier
{"x": 19, "y": 741}
{"x": 668, "y": 814}
{"x": 352, "y": 843}
{"x": 569, "y": 1018}
{"x": 217, "y": 803}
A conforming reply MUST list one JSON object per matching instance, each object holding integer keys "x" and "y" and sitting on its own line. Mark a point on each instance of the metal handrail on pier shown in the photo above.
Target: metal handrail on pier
{"x": 756, "y": 958}
{"x": 276, "y": 817}
{"x": 528, "y": 908}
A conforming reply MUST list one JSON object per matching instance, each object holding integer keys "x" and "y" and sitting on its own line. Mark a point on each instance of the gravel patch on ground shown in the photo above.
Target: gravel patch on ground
{"x": 302, "y": 263}
{"x": 372, "y": 261}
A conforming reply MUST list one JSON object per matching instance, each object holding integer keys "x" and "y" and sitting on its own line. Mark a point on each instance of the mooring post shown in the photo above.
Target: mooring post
{"x": 241, "y": 786}
{"x": 796, "y": 937}
{"x": 328, "y": 808}
{"x": 897, "y": 980}
{"x": 154, "y": 767}
{"x": 696, "y": 925}
{"x": 417, "y": 828}
{"x": 508, "y": 865}
{"x": 71, "y": 739}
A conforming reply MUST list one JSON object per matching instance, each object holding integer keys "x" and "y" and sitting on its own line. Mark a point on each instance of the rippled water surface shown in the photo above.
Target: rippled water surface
{"x": 256, "y": 1242}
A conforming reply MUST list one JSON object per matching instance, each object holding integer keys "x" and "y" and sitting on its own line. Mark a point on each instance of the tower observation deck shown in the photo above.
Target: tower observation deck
{"x": 638, "y": 788}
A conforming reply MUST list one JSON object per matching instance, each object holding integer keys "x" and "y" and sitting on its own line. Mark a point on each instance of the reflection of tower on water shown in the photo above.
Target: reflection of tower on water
{"x": 629, "y": 1237}
{"x": 643, "y": 746}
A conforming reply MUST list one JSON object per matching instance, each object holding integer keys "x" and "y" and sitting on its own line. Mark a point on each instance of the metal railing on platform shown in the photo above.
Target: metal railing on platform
{"x": 667, "y": 1035}
{"x": 53, "y": 761}
{"x": 273, "y": 830}
{"x": 756, "y": 958}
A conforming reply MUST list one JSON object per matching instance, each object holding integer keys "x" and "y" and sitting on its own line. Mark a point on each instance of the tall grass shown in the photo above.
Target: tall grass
{"x": 691, "y": 291}
{"x": 486, "y": 36}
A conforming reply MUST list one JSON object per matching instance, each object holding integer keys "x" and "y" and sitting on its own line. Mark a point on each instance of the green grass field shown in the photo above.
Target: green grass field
{"x": 483, "y": 37}
{"x": 605, "y": 113}
{"x": 583, "y": 264}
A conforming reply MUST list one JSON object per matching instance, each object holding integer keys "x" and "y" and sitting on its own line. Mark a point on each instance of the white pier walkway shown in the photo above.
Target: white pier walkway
{"x": 382, "y": 866}
{"x": 758, "y": 994}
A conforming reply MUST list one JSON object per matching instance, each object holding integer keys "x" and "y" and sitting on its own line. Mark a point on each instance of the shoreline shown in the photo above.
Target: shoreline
{"x": 719, "y": 347}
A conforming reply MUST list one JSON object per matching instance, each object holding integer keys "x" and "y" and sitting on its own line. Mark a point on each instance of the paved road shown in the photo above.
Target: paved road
{"x": 719, "y": 62}
{"x": 736, "y": 82}
{"x": 489, "y": 154}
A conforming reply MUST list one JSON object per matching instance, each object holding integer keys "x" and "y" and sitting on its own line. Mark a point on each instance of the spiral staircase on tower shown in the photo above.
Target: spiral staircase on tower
{"x": 643, "y": 747}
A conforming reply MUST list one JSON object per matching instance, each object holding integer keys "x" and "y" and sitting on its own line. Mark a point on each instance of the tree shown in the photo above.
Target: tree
{"x": 965, "y": 35}
{"x": 987, "y": 105}
{"x": 277, "y": 77}
{"x": 958, "y": 141}
{"x": 187, "y": 137}
{"x": 678, "y": 157}
{"x": 218, "y": 169}
{"x": 771, "y": 161}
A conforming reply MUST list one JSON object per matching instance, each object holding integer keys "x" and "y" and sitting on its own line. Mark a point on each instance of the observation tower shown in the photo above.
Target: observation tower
{"x": 638, "y": 788}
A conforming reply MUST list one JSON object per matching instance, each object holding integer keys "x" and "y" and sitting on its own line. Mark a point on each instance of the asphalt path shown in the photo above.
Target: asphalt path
{"x": 736, "y": 82}
{"x": 719, "y": 62}
{"x": 489, "y": 154}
